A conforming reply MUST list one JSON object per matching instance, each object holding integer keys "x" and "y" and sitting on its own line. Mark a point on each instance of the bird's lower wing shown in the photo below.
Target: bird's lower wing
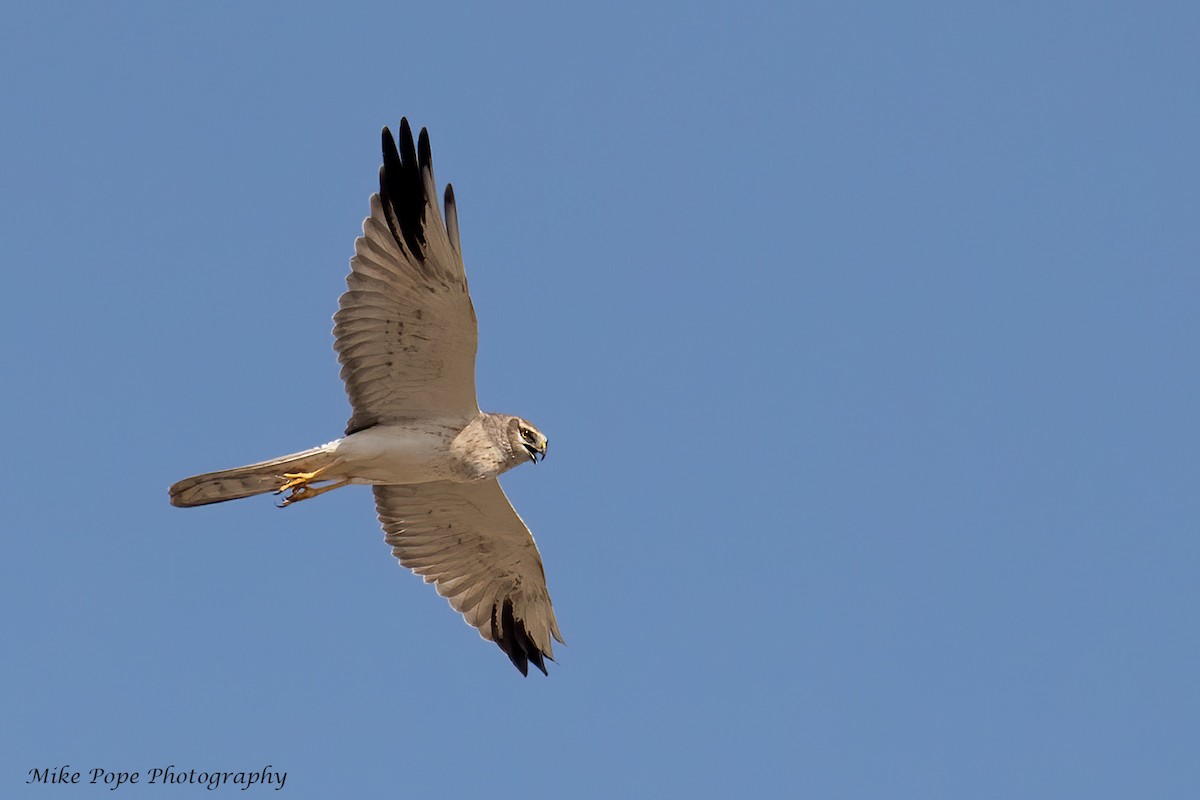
{"x": 468, "y": 541}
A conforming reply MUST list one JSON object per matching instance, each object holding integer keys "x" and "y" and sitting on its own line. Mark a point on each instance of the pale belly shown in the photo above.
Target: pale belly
{"x": 390, "y": 455}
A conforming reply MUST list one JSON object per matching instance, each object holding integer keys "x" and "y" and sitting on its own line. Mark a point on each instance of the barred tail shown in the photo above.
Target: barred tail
{"x": 231, "y": 484}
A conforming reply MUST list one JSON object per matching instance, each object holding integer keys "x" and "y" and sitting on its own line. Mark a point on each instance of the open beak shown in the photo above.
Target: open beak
{"x": 536, "y": 450}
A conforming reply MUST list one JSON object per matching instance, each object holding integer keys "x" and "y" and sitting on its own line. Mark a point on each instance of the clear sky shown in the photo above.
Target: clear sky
{"x": 865, "y": 336}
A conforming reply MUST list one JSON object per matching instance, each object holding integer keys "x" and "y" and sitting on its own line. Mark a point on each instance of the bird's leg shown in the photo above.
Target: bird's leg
{"x": 302, "y": 479}
{"x": 300, "y": 484}
{"x": 306, "y": 492}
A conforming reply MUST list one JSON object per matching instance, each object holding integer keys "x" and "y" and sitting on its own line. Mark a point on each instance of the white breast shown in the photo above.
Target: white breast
{"x": 394, "y": 454}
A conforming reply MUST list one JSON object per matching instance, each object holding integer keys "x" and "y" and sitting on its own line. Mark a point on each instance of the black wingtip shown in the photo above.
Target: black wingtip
{"x": 408, "y": 152}
{"x": 515, "y": 640}
{"x": 424, "y": 154}
{"x": 402, "y": 190}
{"x": 536, "y": 658}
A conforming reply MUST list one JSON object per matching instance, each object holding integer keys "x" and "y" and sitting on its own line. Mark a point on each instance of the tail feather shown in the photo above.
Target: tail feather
{"x": 252, "y": 479}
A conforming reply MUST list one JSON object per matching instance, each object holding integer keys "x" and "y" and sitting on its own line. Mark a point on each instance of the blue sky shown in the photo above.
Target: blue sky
{"x": 865, "y": 335}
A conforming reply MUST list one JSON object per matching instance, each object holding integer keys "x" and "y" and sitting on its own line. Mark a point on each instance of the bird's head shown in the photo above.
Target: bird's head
{"x": 526, "y": 439}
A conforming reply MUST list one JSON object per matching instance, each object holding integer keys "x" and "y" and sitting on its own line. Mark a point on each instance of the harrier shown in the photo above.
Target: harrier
{"x": 406, "y": 335}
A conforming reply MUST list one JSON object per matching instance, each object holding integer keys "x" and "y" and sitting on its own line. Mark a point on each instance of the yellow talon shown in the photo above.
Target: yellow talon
{"x": 298, "y": 483}
{"x": 297, "y": 479}
{"x": 306, "y": 492}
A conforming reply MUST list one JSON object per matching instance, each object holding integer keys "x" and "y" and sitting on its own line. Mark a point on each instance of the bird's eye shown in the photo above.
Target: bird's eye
{"x": 527, "y": 434}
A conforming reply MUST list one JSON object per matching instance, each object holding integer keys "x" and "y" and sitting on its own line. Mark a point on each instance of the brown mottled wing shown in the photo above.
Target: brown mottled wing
{"x": 405, "y": 332}
{"x": 467, "y": 540}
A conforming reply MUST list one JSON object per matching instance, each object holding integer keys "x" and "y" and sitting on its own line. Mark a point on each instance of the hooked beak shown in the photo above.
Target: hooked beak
{"x": 536, "y": 450}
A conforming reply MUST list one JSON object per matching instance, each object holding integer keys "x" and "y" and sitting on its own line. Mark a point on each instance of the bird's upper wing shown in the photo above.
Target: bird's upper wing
{"x": 405, "y": 331}
{"x": 467, "y": 540}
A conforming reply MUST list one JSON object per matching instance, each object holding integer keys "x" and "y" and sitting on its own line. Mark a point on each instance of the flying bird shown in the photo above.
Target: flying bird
{"x": 405, "y": 334}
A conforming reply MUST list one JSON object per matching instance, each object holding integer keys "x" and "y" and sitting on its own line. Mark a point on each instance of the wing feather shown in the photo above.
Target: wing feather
{"x": 405, "y": 331}
{"x": 467, "y": 540}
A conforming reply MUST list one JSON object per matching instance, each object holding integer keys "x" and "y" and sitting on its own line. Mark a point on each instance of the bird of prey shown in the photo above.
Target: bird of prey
{"x": 405, "y": 334}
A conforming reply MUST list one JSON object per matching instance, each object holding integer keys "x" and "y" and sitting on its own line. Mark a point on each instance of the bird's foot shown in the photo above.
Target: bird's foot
{"x": 302, "y": 491}
{"x": 297, "y": 480}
